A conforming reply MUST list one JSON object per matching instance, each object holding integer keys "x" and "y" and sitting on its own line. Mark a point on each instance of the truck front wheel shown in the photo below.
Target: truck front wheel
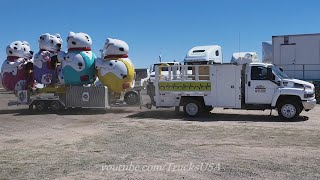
{"x": 289, "y": 110}
{"x": 192, "y": 108}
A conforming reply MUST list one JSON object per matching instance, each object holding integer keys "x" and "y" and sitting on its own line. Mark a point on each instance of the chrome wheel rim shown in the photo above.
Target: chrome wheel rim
{"x": 288, "y": 111}
{"x": 192, "y": 109}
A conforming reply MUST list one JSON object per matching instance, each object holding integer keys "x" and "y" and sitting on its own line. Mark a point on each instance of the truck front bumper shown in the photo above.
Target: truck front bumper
{"x": 309, "y": 104}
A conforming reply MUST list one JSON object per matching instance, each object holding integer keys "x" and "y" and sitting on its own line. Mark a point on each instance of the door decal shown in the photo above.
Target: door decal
{"x": 260, "y": 89}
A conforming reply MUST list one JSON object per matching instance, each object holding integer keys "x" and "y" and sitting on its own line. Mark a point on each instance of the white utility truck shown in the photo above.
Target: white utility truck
{"x": 243, "y": 85}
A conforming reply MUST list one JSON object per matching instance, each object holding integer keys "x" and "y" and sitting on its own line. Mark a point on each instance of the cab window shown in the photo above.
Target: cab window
{"x": 259, "y": 73}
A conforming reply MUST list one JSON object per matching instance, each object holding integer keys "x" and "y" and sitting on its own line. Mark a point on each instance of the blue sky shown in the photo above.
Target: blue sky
{"x": 171, "y": 27}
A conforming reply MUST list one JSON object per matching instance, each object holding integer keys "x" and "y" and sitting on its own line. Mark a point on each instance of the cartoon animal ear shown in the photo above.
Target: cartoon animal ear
{"x": 71, "y": 34}
{"x": 58, "y": 36}
{"x": 26, "y": 43}
{"x": 108, "y": 40}
{"x": 44, "y": 37}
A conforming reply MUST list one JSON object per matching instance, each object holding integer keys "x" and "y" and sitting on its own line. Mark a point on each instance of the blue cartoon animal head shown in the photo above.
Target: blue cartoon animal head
{"x": 50, "y": 42}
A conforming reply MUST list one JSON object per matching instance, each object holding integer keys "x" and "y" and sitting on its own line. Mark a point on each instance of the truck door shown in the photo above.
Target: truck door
{"x": 288, "y": 58}
{"x": 259, "y": 90}
{"x": 226, "y": 93}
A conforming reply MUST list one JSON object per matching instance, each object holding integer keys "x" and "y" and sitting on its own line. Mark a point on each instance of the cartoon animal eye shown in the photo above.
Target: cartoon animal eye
{"x": 24, "y": 49}
{"x": 68, "y": 39}
{"x": 121, "y": 49}
{"x": 52, "y": 41}
{"x": 74, "y": 43}
{"x": 16, "y": 44}
{"x": 10, "y": 52}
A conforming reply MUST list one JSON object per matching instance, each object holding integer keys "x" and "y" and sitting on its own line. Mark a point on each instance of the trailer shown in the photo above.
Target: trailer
{"x": 244, "y": 85}
{"x": 64, "y": 97}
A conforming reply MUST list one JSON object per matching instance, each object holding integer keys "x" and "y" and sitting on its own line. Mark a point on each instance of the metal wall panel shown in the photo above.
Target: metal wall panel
{"x": 91, "y": 97}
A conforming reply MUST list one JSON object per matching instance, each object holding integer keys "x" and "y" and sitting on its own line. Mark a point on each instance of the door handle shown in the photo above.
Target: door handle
{"x": 249, "y": 83}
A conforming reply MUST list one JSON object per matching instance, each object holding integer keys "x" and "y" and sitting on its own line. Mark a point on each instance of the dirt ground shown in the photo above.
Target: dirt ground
{"x": 133, "y": 143}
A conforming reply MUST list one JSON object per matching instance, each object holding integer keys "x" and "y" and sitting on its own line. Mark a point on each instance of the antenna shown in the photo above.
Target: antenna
{"x": 160, "y": 56}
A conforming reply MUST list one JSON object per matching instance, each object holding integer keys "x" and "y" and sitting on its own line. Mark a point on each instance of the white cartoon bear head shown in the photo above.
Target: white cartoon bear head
{"x": 115, "y": 47}
{"x": 50, "y": 42}
{"x": 79, "y": 40}
{"x": 19, "y": 49}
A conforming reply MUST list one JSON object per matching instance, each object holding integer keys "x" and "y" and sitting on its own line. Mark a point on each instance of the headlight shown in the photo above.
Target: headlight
{"x": 296, "y": 85}
{"x": 306, "y": 87}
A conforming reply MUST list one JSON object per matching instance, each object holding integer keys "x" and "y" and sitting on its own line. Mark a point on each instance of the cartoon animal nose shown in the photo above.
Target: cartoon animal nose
{"x": 80, "y": 64}
{"x": 15, "y": 48}
{"x": 124, "y": 76}
{"x": 59, "y": 45}
{"x": 31, "y": 52}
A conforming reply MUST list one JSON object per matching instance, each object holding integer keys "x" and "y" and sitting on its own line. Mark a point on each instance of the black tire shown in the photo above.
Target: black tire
{"x": 55, "y": 105}
{"x": 192, "y": 108}
{"x": 41, "y": 106}
{"x": 131, "y": 98}
{"x": 289, "y": 110}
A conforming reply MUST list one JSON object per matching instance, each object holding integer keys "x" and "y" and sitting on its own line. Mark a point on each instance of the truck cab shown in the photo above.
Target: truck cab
{"x": 265, "y": 84}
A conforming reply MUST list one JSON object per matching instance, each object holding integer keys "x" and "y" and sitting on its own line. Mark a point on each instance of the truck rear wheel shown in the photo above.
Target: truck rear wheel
{"x": 55, "y": 105}
{"x": 289, "y": 110}
{"x": 192, "y": 108}
{"x": 131, "y": 98}
{"x": 41, "y": 106}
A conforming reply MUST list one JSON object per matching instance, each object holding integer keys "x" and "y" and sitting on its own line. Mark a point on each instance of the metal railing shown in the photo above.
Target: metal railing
{"x": 309, "y": 72}
{"x": 183, "y": 73}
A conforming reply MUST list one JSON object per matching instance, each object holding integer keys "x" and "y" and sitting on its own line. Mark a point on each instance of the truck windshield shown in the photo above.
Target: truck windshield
{"x": 279, "y": 73}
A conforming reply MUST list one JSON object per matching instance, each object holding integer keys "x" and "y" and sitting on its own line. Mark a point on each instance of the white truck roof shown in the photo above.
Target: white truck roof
{"x": 204, "y": 53}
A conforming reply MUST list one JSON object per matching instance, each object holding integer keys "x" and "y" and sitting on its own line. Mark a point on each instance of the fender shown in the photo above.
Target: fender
{"x": 286, "y": 91}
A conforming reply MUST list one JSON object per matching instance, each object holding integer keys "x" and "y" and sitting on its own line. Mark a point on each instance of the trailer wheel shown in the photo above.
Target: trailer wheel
{"x": 289, "y": 110}
{"x": 131, "y": 98}
{"x": 41, "y": 106}
{"x": 192, "y": 108}
{"x": 55, "y": 105}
